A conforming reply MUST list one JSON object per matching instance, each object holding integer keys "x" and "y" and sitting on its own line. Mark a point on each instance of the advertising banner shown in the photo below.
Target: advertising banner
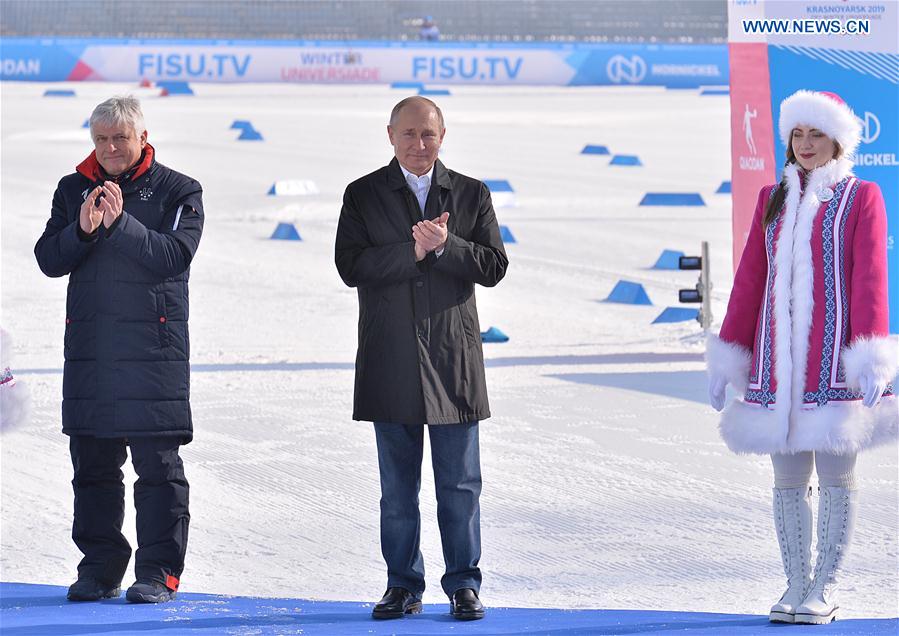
{"x": 50, "y": 60}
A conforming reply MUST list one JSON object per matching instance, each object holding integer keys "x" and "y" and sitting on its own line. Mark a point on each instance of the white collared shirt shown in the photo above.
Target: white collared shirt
{"x": 420, "y": 186}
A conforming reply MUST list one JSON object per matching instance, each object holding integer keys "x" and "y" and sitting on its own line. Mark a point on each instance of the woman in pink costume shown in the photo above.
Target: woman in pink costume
{"x": 806, "y": 342}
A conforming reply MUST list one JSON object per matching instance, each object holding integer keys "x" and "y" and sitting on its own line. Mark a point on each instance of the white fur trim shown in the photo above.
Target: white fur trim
{"x": 877, "y": 356}
{"x": 837, "y": 427}
{"x": 808, "y": 108}
{"x": 730, "y": 360}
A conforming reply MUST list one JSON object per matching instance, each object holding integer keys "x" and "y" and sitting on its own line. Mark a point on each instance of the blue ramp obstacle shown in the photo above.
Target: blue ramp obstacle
{"x": 433, "y": 92}
{"x": 673, "y": 198}
{"x": 286, "y": 232}
{"x": 498, "y": 185}
{"x": 676, "y": 314}
{"x": 175, "y": 88}
{"x": 59, "y": 92}
{"x": 628, "y": 293}
{"x": 590, "y": 149}
{"x": 625, "y": 160}
{"x": 668, "y": 259}
{"x": 241, "y": 124}
{"x": 87, "y": 123}
{"x": 42, "y": 610}
{"x": 494, "y": 335}
{"x": 714, "y": 91}
{"x": 724, "y": 188}
{"x": 506, "y": 234}
{"x": 416, "y": 86}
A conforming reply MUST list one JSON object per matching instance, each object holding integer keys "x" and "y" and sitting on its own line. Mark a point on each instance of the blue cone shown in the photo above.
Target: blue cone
{"x": 676, "y": 314}
{"x": 286, "y": 232}
{"x": 494, "y": 335}
{"x": 506, "y": 234}
{"x": 629, "y": 293}
{"x": 668, "y": 259}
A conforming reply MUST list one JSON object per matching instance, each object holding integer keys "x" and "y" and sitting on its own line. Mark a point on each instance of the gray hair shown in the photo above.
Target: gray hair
{"x": 395, "y": 113}
{"x": 117, "y": 111}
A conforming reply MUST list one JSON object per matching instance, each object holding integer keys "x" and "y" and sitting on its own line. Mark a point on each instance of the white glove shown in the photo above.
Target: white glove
{"x": 871, "y": 388}
{"x": 717, "y": 386}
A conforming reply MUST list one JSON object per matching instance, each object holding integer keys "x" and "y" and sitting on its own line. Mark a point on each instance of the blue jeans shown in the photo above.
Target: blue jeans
{"x": 455, "y": 456}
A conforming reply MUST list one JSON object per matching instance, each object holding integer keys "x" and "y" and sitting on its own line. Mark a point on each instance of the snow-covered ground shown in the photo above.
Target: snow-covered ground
{"x": 605, "y": 482}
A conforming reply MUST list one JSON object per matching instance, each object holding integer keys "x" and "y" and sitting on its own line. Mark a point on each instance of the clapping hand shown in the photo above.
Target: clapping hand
{"x": 430, "y": 235}
{"x": 91, "y": 216}
{"x": 111, "y": 203}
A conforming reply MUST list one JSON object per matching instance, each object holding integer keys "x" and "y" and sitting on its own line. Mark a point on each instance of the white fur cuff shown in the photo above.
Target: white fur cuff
{"x": 730, "y": 360}
{"x": 878, "y": 356}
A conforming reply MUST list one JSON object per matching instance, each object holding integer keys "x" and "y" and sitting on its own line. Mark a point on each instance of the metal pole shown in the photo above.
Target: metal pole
{"x": 706, "y": 282}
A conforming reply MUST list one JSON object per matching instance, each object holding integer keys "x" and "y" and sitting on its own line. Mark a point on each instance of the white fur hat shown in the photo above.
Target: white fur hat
{"x": 825, "y": 111}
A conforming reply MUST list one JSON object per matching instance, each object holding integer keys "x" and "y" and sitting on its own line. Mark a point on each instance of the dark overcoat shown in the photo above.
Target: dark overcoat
{"x": 126, "y": 340}
{"x": 419, "y": 358}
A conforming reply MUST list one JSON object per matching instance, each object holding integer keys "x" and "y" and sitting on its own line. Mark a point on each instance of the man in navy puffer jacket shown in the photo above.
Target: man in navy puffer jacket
{"x": 125, "y": 229}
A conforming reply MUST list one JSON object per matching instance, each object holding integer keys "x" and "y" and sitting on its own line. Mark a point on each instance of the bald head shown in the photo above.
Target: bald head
{"x": 418, "y": 103}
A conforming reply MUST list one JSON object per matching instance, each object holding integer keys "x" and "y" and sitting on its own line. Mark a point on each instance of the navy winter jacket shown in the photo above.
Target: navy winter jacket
{"x": 127, "y": 349}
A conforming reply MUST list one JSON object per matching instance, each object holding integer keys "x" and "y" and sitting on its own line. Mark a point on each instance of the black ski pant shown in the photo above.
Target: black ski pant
{"x": 160, "y": 500}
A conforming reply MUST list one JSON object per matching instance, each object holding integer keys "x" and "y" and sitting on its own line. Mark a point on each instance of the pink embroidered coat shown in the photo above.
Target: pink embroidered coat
{"x": 808, "y": 315}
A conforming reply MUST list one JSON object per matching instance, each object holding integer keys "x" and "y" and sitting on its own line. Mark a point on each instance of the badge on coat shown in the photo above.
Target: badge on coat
{"x": 824, "y": 194}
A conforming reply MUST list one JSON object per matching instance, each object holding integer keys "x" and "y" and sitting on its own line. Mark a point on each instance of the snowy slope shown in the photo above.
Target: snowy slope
{"x": 606, "y": 485}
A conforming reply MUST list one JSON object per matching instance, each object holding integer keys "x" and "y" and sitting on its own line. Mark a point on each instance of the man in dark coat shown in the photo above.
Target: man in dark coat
{"x": 414, "y": 238}
{"x": 125, "y": 229}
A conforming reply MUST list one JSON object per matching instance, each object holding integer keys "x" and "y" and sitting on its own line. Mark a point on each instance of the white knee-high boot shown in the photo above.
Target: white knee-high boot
{"x": 793, "y": 522}
{"x": 837, "y": 507}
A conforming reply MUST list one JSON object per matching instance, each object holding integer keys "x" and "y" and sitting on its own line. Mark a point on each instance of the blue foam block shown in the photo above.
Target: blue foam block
{"x": 433, "y": 91}
{"x": 724, "y": 188}
{"x": 175, "y": 88}
{"x": 668, "y": 259}
{"x": 494, "y": 335}
{"x": 625, "y": 160}
{"x": 286, "y": 232}
{"x": 408, "y": 85}
{"x": 248, "y": 134}
{"x": 59, "y": 92}
{"x": 672, "y": 198}
{"x": 506, "y": 234}
{"x": 241, "y": 124}
{"x": 498, "y": 185}
{"x": 590, "y": 149}
{"x": 676, "y": 314}
{"x": 629, "y": 293}
{"x": 42, "y": 610}
{"x": 715, "y": 91}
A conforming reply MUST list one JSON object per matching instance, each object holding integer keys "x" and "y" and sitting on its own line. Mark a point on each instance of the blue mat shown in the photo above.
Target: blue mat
{"x": 625, "y": 160}
{"x": 672, "y": 198}
{"x": 175, "y": 88}
{"x": 590, "y": 149}
{"x": 408, "y": 85}
{"x": 506, "y": 234}
{"x": 59, "y": 92}
{"x": 724, "y": 188}
{"x": 498, "y": 185}
{"x": 249, "y": 134}
{"x": 629, "y": 293}
{"x": 286, "y": 232}
{"x": 676, "y": 314}
{"x": 41, "y": 610}
{"x": 668, "y": 259}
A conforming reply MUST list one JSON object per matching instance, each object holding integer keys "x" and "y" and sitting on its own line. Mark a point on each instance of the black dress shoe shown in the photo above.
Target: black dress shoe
{"x": 87, "y": 588}
{"x": 396, "y": 603}
{"x": 466, "y": 606}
